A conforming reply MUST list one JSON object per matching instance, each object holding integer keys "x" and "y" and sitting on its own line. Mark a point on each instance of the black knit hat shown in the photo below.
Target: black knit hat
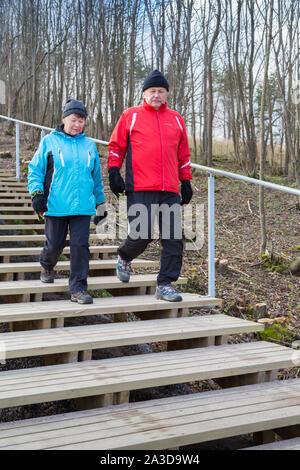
{"x": 73, "y": 106}
{"x": 155, "y": 79}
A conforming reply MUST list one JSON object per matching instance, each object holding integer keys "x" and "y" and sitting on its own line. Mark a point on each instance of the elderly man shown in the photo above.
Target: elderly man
{"x": 153, "y": 139}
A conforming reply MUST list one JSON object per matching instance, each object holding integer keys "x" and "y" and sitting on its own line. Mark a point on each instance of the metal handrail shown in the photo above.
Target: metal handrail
{"x": 211, "y": 194}
{"x": 44, "y": 128}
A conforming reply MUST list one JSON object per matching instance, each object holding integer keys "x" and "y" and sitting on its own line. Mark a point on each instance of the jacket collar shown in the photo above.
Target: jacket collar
{"x": 60, "y": 130}
{"x": 163, "y": 107}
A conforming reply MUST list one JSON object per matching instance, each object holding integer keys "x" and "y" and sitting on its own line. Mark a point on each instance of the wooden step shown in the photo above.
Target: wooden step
{"x": 103, "y": 249}
{"x": 286, "y": 444}
{"x": 37, "y": 226}
{"x": 20, "y": 217}
{"x": 61, "y": 285}
{"x": 89, "y": 337}
{"x": 65, "y": 265}
{"x": 39, "y": 238}
{"x": 14, "y": 195}
{"x": 13, "y": 189}
{"x": 12, "y": 184}
{"x": 40, "y": 226}
{"x": 14, "y": 209}
{"x": 102, "y": 306}
{"x": 8, "y": 178}
{"x": 120, "y": 374}
{"x": 14, "y": 201}
{"x": 163, "y": 423}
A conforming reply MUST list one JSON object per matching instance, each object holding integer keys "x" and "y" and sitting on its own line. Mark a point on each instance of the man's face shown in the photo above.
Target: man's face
{"x": 155, "y": 96}
{"x": 73, "y": 124}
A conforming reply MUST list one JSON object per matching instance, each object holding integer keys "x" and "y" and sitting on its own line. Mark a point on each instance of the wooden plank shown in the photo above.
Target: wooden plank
{"x": 89, "y": 378}
{"x": 105, "y": 305}
{"x": 14, "y": 190}
{"x": 13, "y": 187}
{"x": 12, "y": 184}
{"x": 61, "y": 285}
{"x": 160, "y": 424}
{"x": 20, "y": 217}
{"x": 104, "y": 249}
{"x": 15, "y": 195}
{"x": 19, "y": 200}
{"x": 39, "y": 226}
{"x": 259, "y": 393}
{"x": 59, "y": 340}
{"x": 65, "y": 265}
{"x": 36, "y": 238}
{"x": 15, "y": 209}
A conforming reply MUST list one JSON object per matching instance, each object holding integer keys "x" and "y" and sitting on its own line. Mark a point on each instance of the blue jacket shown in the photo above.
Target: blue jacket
{"x": 67, "y": 170}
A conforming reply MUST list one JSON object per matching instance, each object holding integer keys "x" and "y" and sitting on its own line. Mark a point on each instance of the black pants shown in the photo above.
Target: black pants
{"x": 56, "y": 229}
{"x": 142, "y": 206}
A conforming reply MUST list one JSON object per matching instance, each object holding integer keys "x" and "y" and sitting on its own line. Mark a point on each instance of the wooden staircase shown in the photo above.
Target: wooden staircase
{"x": 195, "y": 348}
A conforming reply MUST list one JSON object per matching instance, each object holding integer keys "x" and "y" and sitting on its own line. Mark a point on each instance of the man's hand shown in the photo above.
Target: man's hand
{"x": 39, "y": 203}
{"x": 116, "y": 181}
{"x": 186, "y": 192}
{"x": 101, "y": 214}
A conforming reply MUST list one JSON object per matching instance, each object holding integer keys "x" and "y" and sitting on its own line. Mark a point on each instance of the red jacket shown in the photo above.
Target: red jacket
{"x": 156, "y": 148}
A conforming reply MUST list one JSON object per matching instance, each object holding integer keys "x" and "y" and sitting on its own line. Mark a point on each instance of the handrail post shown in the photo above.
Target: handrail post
{"x": 42, "y": 134}
{"x": 17, "y": 150}
{"x": 211, "y": 236}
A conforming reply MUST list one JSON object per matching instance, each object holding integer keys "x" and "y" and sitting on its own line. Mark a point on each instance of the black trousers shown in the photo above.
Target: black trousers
{"x": 142, "y": 208}
{"x": 56, "y": 229}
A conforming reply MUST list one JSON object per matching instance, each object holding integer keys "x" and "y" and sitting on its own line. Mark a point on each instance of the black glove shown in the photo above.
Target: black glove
{"x": 39, "y": 203}
{"x": 186, "y": 192}
{"x": 101, "y": 214}
{"x": 116, "y": 181}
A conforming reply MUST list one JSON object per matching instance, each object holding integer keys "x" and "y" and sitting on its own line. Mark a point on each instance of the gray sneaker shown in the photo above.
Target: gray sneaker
{"x": 81, "y": 298}
{"x": 47, "y": 276}
{"x": 123, "y": 269}
{"x": 167, "y": 292}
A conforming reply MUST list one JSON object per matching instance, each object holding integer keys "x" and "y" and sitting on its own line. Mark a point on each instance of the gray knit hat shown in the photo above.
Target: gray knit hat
{"x": 155, "y": 79}
{"x": 73, "y": 106}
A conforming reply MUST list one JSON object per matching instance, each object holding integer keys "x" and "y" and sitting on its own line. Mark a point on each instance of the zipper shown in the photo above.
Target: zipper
{"x": 162, "y": 153}
{"x": 61, "y": 158}
{"x": 89, "y": 161}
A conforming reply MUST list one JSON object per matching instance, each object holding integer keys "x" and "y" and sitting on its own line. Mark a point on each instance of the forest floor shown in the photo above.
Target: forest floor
{"x": 247, "y": 279}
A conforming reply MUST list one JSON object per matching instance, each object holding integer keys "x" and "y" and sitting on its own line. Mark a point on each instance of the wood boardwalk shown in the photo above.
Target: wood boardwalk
{"x": 196, "y": 347}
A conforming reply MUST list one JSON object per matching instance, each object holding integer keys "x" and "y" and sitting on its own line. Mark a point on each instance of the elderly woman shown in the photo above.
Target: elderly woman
{"x": 65, "y": 183}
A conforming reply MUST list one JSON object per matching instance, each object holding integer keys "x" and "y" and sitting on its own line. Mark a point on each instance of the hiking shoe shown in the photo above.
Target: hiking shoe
{"x": 167, "y": 292}
{"x": 81, "y": 298}
{"x": 47, "y": 276}
{"x": 123, "y": 269}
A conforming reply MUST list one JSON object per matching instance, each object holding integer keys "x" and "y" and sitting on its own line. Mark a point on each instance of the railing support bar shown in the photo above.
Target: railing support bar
{"x": 18, "y": 150}
{"x": 211, "y": 236}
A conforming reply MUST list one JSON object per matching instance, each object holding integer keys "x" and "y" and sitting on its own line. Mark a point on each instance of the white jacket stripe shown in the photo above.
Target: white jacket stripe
{"x": 178, "y": 123}
{"x": 132, "y": 122}
{"x": 188, "y": 163}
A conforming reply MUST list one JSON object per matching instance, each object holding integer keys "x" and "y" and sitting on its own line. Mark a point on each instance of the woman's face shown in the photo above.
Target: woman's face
{"x": 73, "y": 124}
